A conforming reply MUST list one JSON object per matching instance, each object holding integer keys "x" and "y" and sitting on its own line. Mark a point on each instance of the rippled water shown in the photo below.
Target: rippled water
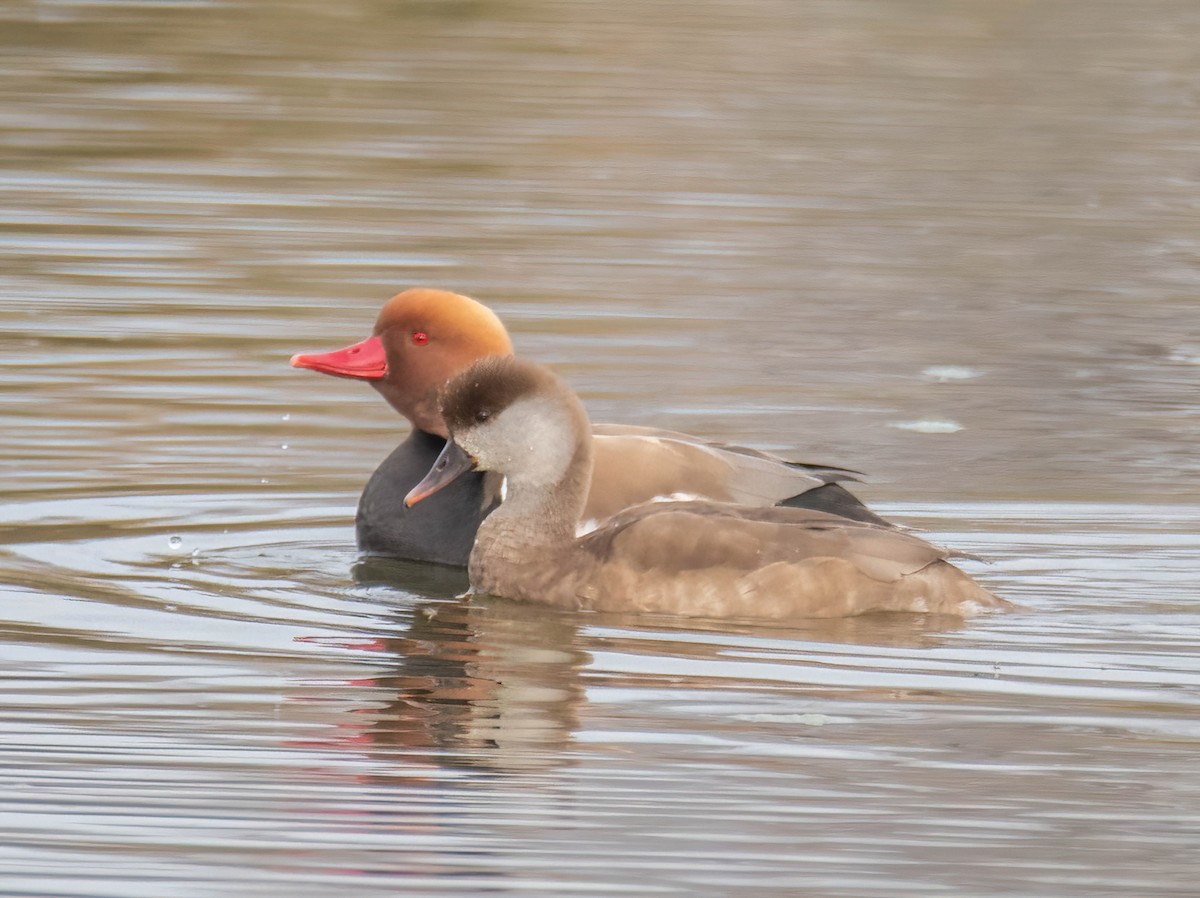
{"x": 955, "y": 246}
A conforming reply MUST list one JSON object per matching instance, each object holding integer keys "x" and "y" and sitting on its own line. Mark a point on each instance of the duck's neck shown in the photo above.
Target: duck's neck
{"x": 535, "y": 516}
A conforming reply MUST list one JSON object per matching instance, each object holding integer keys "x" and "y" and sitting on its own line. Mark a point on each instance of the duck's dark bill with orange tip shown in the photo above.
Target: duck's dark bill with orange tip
{"x": 450, "y": 465}
{"x": 363, "y": 361}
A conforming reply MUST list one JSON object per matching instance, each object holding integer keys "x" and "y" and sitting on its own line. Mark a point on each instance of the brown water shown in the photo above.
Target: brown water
{"x": 954, "y": 245}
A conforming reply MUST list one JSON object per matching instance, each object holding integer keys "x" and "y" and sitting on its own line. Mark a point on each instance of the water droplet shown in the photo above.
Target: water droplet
{"x": 175, "y": 542}
{"x": 283, "y": 445}
{"x": 286, "y": 417}
{"x": 264, "y": 480}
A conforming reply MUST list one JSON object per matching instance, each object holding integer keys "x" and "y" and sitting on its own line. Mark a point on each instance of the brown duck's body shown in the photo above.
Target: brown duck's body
{"x": 705, "y": 559}
{"x": 695, "y": 558}
{"x": 424, "y": 337}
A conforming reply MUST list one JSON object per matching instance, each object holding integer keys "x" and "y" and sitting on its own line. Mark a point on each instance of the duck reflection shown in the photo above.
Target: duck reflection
{"x": 884, "y": 630}
{"x": 495, "y": 685}
{"x": 477, "y": 683}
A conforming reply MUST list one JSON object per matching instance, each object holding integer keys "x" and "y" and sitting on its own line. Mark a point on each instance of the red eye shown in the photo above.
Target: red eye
{"x": 420, "y": 338}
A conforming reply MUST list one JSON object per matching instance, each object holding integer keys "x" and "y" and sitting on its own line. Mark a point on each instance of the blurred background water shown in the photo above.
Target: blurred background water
{"x": 956, "y": 246}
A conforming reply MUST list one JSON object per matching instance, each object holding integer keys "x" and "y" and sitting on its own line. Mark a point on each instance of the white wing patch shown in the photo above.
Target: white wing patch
{"x": 587, "y": 525}
{"x": 680, "y": 497}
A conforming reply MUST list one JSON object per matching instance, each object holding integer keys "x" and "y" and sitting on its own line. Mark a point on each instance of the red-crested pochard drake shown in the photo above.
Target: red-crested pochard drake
{"x": 424, "y": 337}
{"x": 697, "y": 558}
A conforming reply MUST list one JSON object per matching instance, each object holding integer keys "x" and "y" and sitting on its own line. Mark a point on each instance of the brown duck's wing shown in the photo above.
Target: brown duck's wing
{"x": 634, "y": 467}
{"x": 675, "y": 537}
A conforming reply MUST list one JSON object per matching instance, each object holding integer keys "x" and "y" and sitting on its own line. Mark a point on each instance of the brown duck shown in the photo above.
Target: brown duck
{"x": 696, "y": 558}
{"x": 423, "y": 337}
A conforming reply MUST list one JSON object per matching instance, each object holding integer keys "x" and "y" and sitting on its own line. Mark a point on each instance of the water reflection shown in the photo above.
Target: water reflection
{"x": 477, "y": 683}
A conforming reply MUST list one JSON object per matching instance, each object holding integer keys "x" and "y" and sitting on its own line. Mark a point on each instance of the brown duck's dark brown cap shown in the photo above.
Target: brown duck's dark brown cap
{"x": 490, "y": 386}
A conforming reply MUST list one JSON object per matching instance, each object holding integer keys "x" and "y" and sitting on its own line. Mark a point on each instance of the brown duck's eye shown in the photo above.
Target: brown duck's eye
{"x": 482, "y": 415}
{"x": 420, "y": 338}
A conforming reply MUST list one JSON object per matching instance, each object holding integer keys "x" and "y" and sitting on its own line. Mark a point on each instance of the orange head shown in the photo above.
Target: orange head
{"x": 422, "y": 338}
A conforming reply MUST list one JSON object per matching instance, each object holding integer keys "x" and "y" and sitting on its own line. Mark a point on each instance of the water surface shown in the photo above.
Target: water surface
{"x": 953, "y": 246}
